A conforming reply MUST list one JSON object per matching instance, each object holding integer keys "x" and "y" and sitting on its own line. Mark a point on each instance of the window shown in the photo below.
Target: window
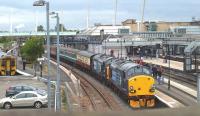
{"x": 12, "y": 63}
{"x": 146, "y": 71}
{"x": 41, "y": 93}
{"x": 28, "y": 95}
{"x": 26, "y": 88}
{"x": 3, "y": 63}
{"x": 21, "y": 96}
{"x": 97, "y": 67}
{"x": 138, "y": 69}
{"x": 116, "y": 76}
{"x": 11, "y": 88}
{"x": 130, "y": 72}
{"x": 18, "y": 88}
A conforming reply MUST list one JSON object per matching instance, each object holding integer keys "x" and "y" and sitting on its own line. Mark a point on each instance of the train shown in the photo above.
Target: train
{"x": 8, "y": 65}
{"x": 132, "y": 82}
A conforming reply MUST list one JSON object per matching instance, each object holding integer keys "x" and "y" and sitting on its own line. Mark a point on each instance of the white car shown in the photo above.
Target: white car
{"x": 25, "y": 99}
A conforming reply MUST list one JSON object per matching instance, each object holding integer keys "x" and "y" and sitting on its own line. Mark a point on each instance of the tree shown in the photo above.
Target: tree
{"x": 32, "y": 50}
{"x": 6, "y": 42}
{"x": 5, "y": 39}
{"x": 40, "y": 28}
{"x": 61, "y": 28}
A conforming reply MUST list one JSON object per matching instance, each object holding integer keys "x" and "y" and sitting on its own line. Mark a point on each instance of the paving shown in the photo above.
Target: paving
{"x": 158, "y": 61}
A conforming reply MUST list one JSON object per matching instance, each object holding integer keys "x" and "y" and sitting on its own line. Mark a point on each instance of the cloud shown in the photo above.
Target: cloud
{"x": 73, "y": 12}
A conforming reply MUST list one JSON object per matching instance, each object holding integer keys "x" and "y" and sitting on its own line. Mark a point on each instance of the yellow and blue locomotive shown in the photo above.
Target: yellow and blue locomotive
{"x": 131, "y": 81}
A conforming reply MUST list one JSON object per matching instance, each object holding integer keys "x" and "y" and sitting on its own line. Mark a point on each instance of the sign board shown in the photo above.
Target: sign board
{"x": 40, "y": 59}
{"x": 123, "y": 31}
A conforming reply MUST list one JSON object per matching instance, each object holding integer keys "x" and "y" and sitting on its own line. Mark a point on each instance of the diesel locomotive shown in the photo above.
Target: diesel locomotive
{"x": 8, "y": 66}
{"x": 131, "y": 81}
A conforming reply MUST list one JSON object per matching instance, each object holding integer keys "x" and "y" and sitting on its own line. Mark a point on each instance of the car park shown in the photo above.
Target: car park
{"x": 34, "y": 99}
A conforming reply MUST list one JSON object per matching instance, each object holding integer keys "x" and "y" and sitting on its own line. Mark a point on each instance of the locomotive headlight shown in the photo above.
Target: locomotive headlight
{"x": 131, "y": 89}
{"x": 153, "y": 88}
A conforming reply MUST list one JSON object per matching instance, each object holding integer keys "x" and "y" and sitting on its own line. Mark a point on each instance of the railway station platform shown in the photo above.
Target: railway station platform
{"x": 183, "y": 88}
{"x": 158, "y": 61}
{"x": 169, "y": 101}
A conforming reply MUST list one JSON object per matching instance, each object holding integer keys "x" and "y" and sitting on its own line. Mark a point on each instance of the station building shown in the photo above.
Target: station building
{"x": 160, "y": 26}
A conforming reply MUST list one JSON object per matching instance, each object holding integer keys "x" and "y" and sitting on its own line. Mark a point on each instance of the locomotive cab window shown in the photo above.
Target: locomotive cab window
{"x": 138, "y": 69}
{"x": 3, "y": 63}
{"x": 12, "y": 63}
{"x": 130, "y": 72}
{"x": 146, "y": 71}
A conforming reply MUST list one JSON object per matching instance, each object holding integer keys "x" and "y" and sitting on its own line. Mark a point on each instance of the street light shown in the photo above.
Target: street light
{"x": 169, "y": 85}
{"x": 43, "y": 3}
{"x": 40, "y": 68}
{"x": 57, "y": 99}
{"x": 115, "y": 13}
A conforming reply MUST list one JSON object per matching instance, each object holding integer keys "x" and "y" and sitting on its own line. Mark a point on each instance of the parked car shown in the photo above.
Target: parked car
{"x": 13, "y": 90}
{"x": 25, "y": 99}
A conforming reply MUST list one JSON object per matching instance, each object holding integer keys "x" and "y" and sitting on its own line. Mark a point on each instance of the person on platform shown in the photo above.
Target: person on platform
{"x": 154, "y": 71}
{"x": 159, "y": 74}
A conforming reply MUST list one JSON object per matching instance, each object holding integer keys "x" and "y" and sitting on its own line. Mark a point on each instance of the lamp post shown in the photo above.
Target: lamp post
{"x": 40, "y": 68}
{"x": 169, "y": 67}
{"x": 43, "y": 3}
{"x": 88, "y": 14}
{"x": 115, "y": 13}
{"x": 198, "y": 89}
{"x": 121, "y": 48}
{"x": 57, "y": 98}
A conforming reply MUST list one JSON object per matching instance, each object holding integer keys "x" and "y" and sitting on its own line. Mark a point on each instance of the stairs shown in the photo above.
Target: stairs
{"x": 188, "y": 54}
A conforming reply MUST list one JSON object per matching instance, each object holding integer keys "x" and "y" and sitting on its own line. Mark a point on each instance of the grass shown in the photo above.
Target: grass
{"x": 64, "y": 100}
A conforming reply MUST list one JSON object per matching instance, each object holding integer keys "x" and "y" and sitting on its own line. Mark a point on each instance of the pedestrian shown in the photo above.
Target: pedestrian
{"x": 146, "y": 52}
{"x": 154, "y": 71}
{"x": 160, "y": 77}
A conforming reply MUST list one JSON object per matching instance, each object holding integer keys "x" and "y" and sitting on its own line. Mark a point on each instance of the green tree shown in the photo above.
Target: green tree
{"x": 5, "y": 39}
{"x": 40, "y": 28}
{"x": 32, "y": 50}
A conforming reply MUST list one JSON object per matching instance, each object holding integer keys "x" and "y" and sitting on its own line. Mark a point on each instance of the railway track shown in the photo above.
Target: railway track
{"x": 177, "y": 93}
{"x": 99, "y": 98}
{"x": 182, "y": 77}
{"x": 95, "y": 96}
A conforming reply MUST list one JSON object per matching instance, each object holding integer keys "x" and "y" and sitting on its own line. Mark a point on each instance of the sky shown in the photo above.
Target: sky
{"x": 24, "y": 16}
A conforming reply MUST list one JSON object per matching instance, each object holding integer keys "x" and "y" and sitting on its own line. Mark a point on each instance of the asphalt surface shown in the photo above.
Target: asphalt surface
{"x": 6, "y": 82}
